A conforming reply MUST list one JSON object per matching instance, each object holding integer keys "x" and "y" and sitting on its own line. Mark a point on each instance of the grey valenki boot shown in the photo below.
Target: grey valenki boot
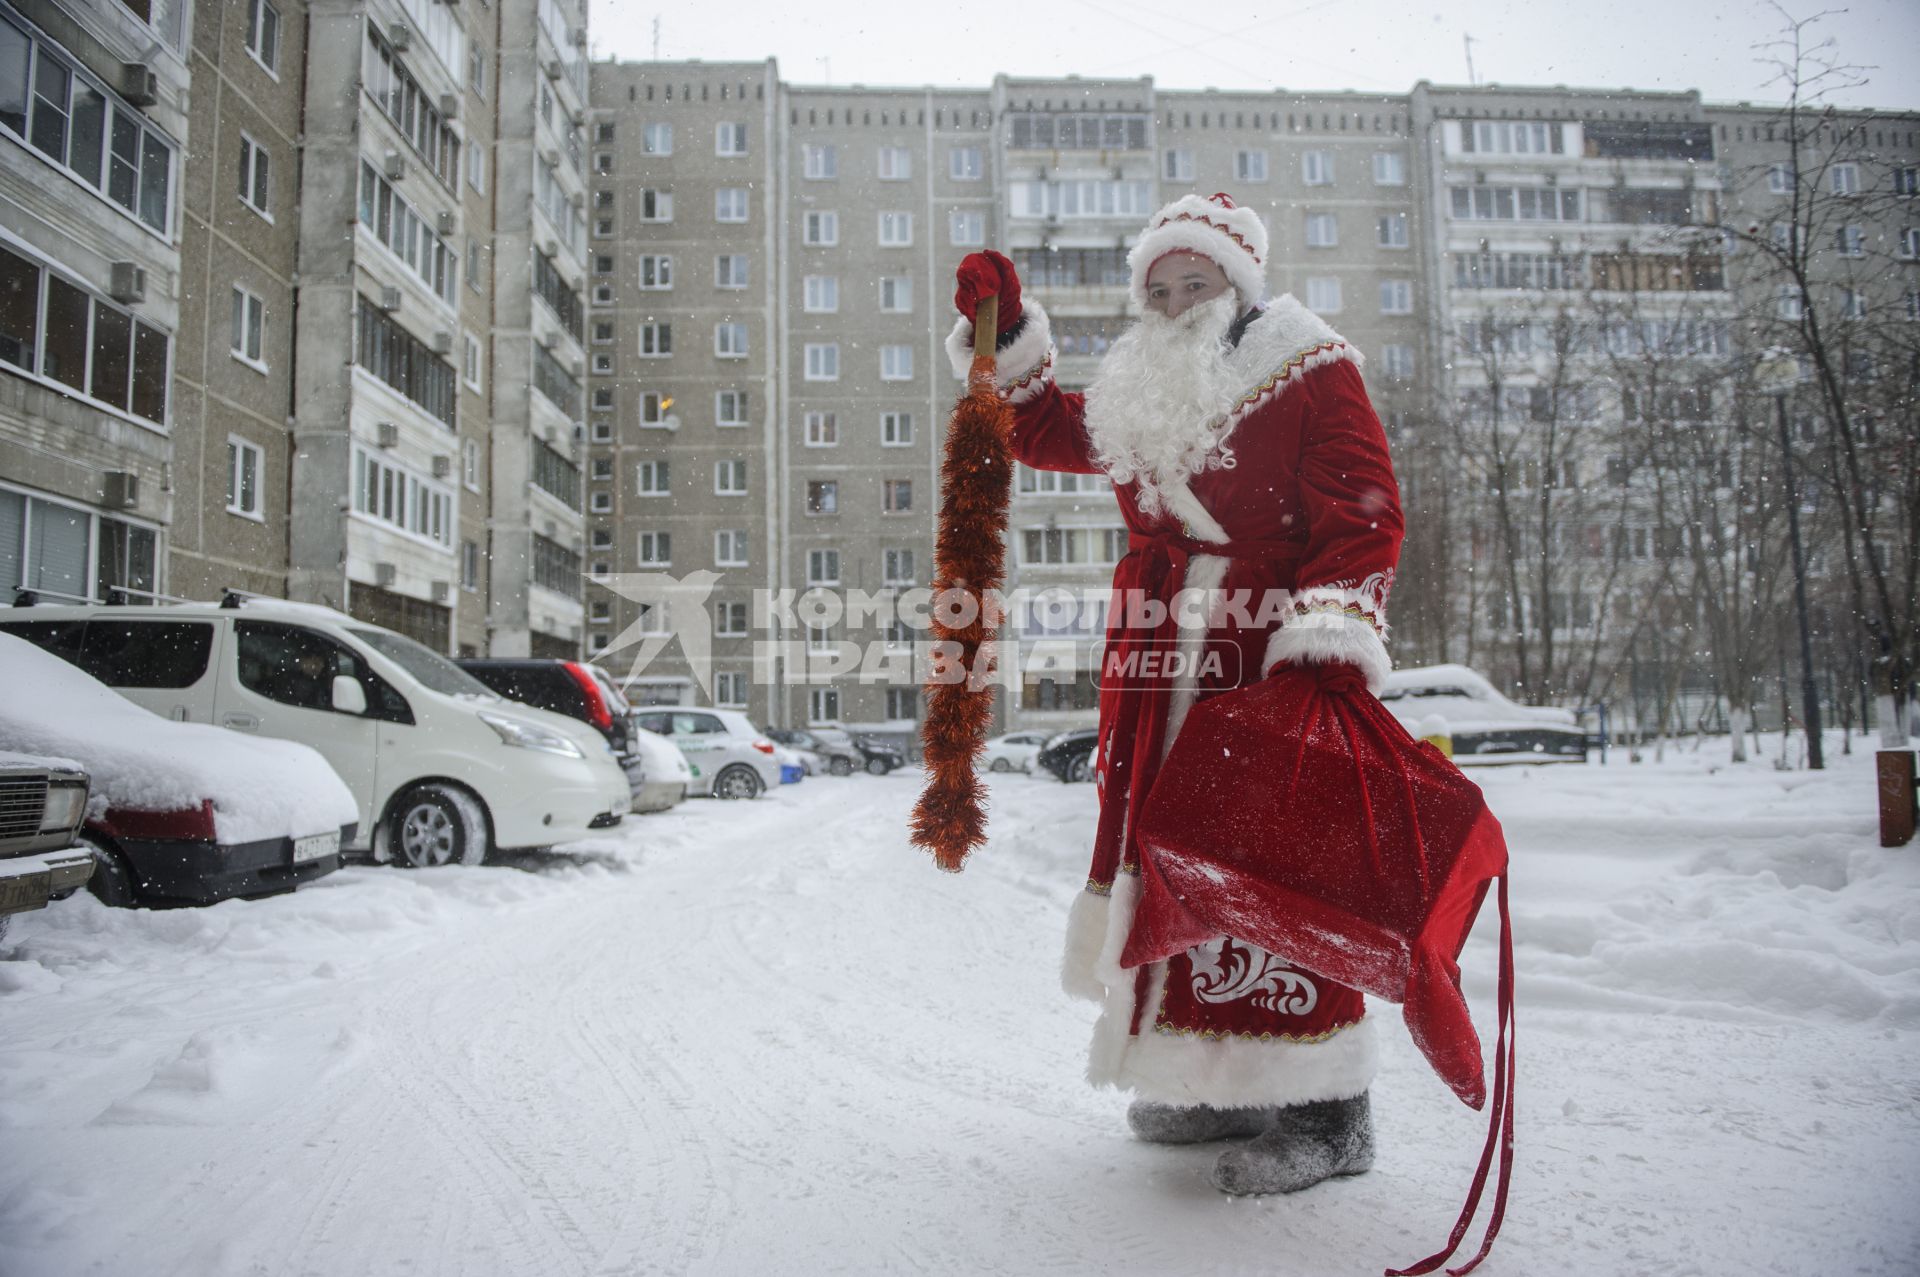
{"x": 1195, "y": 1123}
{"x": 1305, "y": 1144}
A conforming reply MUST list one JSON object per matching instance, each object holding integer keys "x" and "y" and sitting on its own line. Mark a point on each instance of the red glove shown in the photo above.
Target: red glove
{"x": 985, "y": 275}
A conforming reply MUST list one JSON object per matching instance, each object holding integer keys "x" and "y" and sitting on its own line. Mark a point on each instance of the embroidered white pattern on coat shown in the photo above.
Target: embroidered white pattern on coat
{"x": 1226, "y": 970}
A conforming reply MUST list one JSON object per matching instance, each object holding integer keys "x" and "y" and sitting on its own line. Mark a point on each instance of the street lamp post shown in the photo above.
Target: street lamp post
{"x": 1777, "y": 373}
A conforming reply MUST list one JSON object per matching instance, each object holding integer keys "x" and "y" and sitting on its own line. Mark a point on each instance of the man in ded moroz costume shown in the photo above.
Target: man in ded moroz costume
{"x": 1247, "y": 461}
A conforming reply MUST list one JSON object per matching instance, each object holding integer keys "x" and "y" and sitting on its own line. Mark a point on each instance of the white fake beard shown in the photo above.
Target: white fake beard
{"x": 1155, "y": 409}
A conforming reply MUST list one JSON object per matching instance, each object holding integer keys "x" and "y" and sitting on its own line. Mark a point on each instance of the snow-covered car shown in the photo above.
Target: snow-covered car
{"x": 42, "y": 802}
{"x": 441, "y": 767}
{"x": 877, "y": 757}
{"x": 1485, "y": 727}
{"x": 180, "y": 813}
{"x": 820, "y": 756}
{"x": 1014, "y": 752}
{"x": 1069, "y": 754}
{"x": 730, "y": 757}
{"x": 665, "y": 776}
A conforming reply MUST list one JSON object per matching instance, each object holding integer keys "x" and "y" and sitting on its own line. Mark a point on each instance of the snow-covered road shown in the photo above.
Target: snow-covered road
{"x": 769, "y": 1037}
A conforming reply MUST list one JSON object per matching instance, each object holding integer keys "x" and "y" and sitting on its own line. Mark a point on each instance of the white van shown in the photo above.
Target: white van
{"x": 441, "y": 767}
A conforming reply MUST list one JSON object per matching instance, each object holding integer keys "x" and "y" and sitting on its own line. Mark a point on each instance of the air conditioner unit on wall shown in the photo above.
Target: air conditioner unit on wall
{"x": 386, "y": 434}
{"x": 138, "y": 84}
{"x": 384, "y": 574}
{"x": 121, "y": 490}
{"x": 442, "y": 465}
{"x": 549, "y": 248}
{"x": 400, "y": 36}
{"x": 553, "y": 68}
{"x": 441, "y": 591}
{"x": 450, "y": 106}
{"x": 396, "y": 166}
{"x": 389, "y": 297}
{"x": 442, "y": 342}
{"x": 128, "y": 282}
{"x": 447, "y": 223}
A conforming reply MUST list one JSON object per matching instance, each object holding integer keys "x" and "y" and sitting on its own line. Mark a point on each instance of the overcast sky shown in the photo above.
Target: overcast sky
{"x": 1374, "y": 45}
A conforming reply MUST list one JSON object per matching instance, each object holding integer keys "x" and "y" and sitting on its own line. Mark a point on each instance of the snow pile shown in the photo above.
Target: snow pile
{"x": 139, "y": 761}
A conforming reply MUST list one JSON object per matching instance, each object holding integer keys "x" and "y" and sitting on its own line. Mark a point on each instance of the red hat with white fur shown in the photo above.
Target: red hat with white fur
{"x": 1212, "y": 226}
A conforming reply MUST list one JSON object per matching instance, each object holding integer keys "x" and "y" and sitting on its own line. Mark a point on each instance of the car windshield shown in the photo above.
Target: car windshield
{"x": 435, "y": 672}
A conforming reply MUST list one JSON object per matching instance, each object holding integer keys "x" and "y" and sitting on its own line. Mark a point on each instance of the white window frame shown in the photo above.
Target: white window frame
{"x": 820, "y": 294}
{"x": 727, "y": 613}
{"x": 653, "y": 478}
{"x": 730, "y": 477}
{"x": 896, "y": 429}
{"x": 476, "y": 166}
{"x": 1392, "y": 231}
{"x": 821, "y": 361}
{"x": 896, "y": 362}
{"x": 894, "y": 164}
{"x": 730, "y": 340}
{"x": 260, "y": 47}
{"x": 887, "y": 491}
{"x": 820, "y": 429}
{"x": 599, "y": 503}
{"x": 654, "y": 407}
{"x": 966, "y": 228}
{"x": 1389, "y": 168}
{"x": 1316, "y": 168}
{"x": 1844, "y": 179}
{"x": 823, "y": 706}
{"x": 820, "y": 228}
{"x": 819, "y": 161}
{"x": 897, "y": 567}
{"x": 656, "y": 205}
{"x": 656, "y": 138}
{"x": 654, "y": 548}
{"x": 470, "y": 464}
{"x": 730, "y": 408}
{"x": 725, "y": 135}
{"x": 1851, "y": 240}
{"x": 253, "y": 308}
{"x": 1176, "y": 164}
{"x": 830, "y": 489}
{"x": 1323, "y": 230}
{"x": 242, "y": 454}
{"x": 1779, "y": 179}
{"x": 732, "y": 205}
{"x": 659, "y": 335}
{"x": 730, "y": 548}
{"x": 659, "y": 268}
{"x": 730, "y": 689}
{"x": 1396, "y": 297}
{"x": 896, "y": 229}
{"x": 896, "y": 294}
{"x": 1396, "y": 359}
{"x": 726, "y": 278}
{"x": 1327, "y": 288}
{"x": 256, "y": 164}
{"x": 471, "y": 360}
{"x": 1250, "y": 165}
{"x": 823, "y": 567}
{"x": 966, "y": 163}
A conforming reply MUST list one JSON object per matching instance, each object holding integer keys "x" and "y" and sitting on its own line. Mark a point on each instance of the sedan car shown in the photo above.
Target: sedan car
{"x": 730, "y": 757}
{"x": 181, "y": 813}
{"x": 1069, "y": 754}
{"x": 42, "y": 802}
{"x": 1014, "y": 752}
{"x": 816, "y": 755}
{"x": 665, "y": 775}
{"x": 877, "y": 757}
{"x": 1484, "y": 726}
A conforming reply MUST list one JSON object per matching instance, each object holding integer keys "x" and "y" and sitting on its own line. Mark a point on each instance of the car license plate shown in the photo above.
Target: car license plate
{"x": 315, "y": 847}
{"x": 26, "y": 891}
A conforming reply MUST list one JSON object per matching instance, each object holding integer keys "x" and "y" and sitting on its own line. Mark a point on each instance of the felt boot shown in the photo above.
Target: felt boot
{"x": 1305, "y": 1144}
{"x": 1195, "y": 1123}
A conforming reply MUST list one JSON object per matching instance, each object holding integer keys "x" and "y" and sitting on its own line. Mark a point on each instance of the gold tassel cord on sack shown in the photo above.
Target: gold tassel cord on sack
{"x": 976, "y": 478}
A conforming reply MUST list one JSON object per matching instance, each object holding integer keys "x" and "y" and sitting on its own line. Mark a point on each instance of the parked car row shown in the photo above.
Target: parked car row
{"x": 839, "y": 753}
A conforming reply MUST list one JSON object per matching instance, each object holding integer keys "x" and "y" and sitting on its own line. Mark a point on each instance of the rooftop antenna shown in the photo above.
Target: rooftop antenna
{"x": 1469, "y": 43}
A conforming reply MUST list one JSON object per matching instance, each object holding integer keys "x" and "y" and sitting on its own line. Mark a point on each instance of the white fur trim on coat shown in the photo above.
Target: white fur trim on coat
{"x": 1086, "y": 937}
{"x": 1024, "y": 367}
{"x": 1178, "y": 1068}
{"x": 1323, "y": 636}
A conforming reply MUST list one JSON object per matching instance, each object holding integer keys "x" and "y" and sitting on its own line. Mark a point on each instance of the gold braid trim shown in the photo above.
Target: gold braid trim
{"x": 1221, "y": 1035}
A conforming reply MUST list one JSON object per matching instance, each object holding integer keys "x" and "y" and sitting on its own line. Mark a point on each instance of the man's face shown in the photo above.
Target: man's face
{"x": 1180, "y": 281}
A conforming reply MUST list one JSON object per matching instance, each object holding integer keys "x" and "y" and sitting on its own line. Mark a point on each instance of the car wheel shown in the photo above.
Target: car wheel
{"x": 841, "y": 766}
{"x": 877, "y": 767}
{"x": 435, "y": 825}
{"x": 1000, "y": 765}
{"x": 737, "y": 782}
{"x": 112, "y": 879}
{"x": 1081, "y": 769}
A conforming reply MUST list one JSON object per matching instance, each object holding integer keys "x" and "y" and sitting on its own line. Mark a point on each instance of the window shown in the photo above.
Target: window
{"x": 1780, "y": 179}
{"x": 470, "y": 361}
{"x": 730, "y": 548}
{"x": 1323, "y": 295}
{"x": 1910, "y": 242}
{"x": 470, "y": 566}
{"x": 656, "y": 549}
{"x": 470, "y": 464}
{"x": 823, "y": 567}
{"x": 243, "y": 478}
{"x": 823, "y": 496}
{"x": 1851, "y": 241}
{"x": 966, "y": 230}
{"x": 476, "y": 277}
{"x": 896, "y": 363}
{"x": 822, "y": 361}
{"x": 903, "y": 702}
{"x": 79, "y": 125}
{"x": 896, "y": 496}
{"x": 1077, "y": 198}
{"x": 653, "y": 479}
{"x": 1913, "y": 304}
{"x": 730, "y": 139}
{"x": 730, "y": 408}
{"x": 1316, "y": 168}
{"x": 820, "y": 229}
{"x": 822, "y": 429}
{"x": 601, "y": 431}
{"x": 1389, "y": 168}
{"x": 656, "y": 340}
{"x": 656, "y": 206}
{"x": 896, "y": 230}
{"x": 477, "y": 69}
{"x": 1787, "y": 301}
{"x": 263, "y": 33}
{"x": 895, "y": 164}
{"x": 602, "y": 365}
{"x": 412, "y": 109}
{"x": 600, "y": 503}
{"x": 602, "y": 399}
{"x": 1853, "y": 304}
{"x": 256, "y": 184}
{"x": 1906, "y": 181}
{"x": 1177, "y": 165}
{"x": 653, "y": 407}
{"x": 730, "y": 689}
{"x": 656, "y": 271}
{"x": 1523, "y": 203}
{"x": 1392, "y": 230}
{"x": 248, "y": 339}
{"x": 897, "y": 567}
{"x": 1844, "y": 179}
{"x": 896, "y": 429}
{"x": 603, "y": 132}
{"x": 603, "y": 163}
{"x": 896, "y": 294}
{"x": 1396, "y": 360}
{"x": 406, "y": 233}
{"x": 1323, "y": 230}
{"x": 396, "y": 496}
{"x": 820, "y": 162}
{"x": 823, "y": 705}
{"x": 730, "y": 204}
{"x": 602, "y": 332}
{"x": 657, "y": 139}
{"x": 1396, "y": 297}
{"x": 603, "y": 228}
{"x": 730, "y": 478}
{"x": 731, "y": 618}
{"x": 1250, "y": 166}
{"x": 965, "y": 164}
{"x": 820, "y": 294}
{"x": 730, "y": 271}
{"x": 603, "y": 294}
{"x": 477, "y": 167}
{"x": 730, "y": 340}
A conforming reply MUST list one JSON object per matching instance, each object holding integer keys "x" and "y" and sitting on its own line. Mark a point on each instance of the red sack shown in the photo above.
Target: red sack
{"x": 1299, "y": 815}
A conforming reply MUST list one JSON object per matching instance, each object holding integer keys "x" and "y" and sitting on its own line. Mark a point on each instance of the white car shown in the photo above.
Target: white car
{"x": 666, "y": 779}
{"x": 731, "y": 758}
{"x": 1014, "y": 752}
{"x": 442, "y": 769}
{"x": 1484, "y": 726}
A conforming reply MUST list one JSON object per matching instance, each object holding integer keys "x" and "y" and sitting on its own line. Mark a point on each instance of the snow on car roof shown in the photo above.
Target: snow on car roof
{"x": 260, "y": 788}
{"x": 1429, "y": 676}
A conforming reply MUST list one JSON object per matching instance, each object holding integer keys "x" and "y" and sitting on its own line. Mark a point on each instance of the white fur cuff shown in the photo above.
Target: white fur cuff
{"x": 1324, "y": 637}
{"x": 1175, "y": 1068}
{"x": 1031, "y": 350}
